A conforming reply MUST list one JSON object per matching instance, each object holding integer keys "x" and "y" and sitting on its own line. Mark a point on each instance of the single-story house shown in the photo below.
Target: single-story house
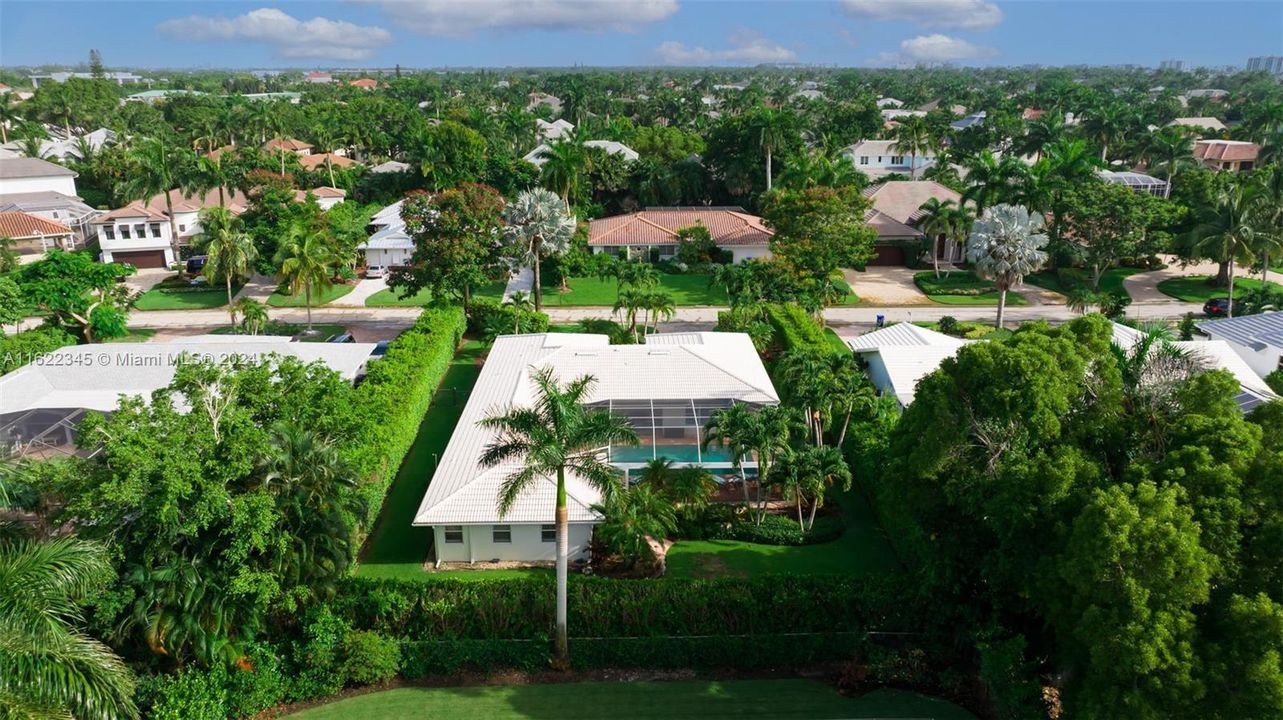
{"x": 63, "y": 148}
{"x": 1199, "y": 123}
{"x": 389, "y": 245}
{"x": 898, "y": 114}
{"x": 327, "y": 197}
{"x": 55, "y": 206}
{"x": 667, "y": 388}
{"x": 391, "y": 166}
{"x": 41, "y": 404}
{"x": 33, "y": 235}
{"x": 971, "y": 120}
{"x": 318, "y": 161}
{"x": 555, "y": 130}
{"x": 896, "y": 213}
{"x": 536, "y": 99}
{"x": 1234, "y": 155}
{"x": 536, "y": 156}
{"x": 31, "y": 175}
{"x": 298, "y": 147}
{"x": 364, "y": 83}
{"x": 890, "y": 102}
{"x": 879, "y": 158}
{"x": 152, "y": 96}
{"x": 139, "y": 233}
{"x": 318, "y": 77}
{"x": 1258, "y": 339}
{"x": 652, "y": 232}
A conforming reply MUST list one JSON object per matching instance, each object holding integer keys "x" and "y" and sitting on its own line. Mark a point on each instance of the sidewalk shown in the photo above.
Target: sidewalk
{"x": 259, "y": 287}
{"x": 1143, "y": 287}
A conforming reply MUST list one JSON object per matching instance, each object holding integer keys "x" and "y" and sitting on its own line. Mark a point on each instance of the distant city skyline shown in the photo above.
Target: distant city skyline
{"x": 500, "y": 33}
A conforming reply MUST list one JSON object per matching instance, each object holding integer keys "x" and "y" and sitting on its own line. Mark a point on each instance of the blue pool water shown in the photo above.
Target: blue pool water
{"x": 675, "y": 453}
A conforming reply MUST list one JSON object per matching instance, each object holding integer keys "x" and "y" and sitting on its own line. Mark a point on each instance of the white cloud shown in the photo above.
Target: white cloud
{"x": 937, "y": 48}
{"x": 290, "y": 37}
{"x": 746, "y": 47}
{"x": 455, "y": 18}
{"x": 957, "y": 14}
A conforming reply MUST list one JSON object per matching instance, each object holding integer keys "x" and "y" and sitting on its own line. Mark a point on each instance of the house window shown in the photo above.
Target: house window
{"x": 124, "y": 232}
{"x": 453, "y": 534}
{"x": 548, "y": 533}
{"x": 502, "y": 534}
{"x": 897, "y": 159}
{"x": 140, "y": 230}
{"x": 182, "y": 228}
{"x": 155, "y": 230}
{"x": 864, "y": 159}
{"x": 109, "y": 232}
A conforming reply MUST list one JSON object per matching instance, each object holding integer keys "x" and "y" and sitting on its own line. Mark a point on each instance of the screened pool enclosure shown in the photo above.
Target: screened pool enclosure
{"x": 672, "y": 430}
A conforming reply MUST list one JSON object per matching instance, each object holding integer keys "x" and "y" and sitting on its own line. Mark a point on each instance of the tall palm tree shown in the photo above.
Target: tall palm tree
{"x": 913, "y": 137}
{"x": 156, "y": 169}
{"x": 659, "y": 305}
{"x": 773, "y": 128}
{"x": 1268, "y": 245}
{"x": 538, "y": 227}
{"x": 554, "y": 437}
{"x": 306, "y": 261}
{"x": 521, "y": 304}
{"x": 1040, "y": 133}
{"x": 1005, "y": 246}
{"x": 1229, "y": 230}
{"x": 564, "y": 164}
{"x": 49, "y": 668}
{"x": 991, "y": 181}
{"x": 231, "y": 252}
{"x": 212, "y": 173}
{"x": 728, "y": 428}
{"x": 635, "y": 517}
{"x": 1170, "y": 151}
{"x": 9, "y": 117}
{"x": 763, "y": 434}
{"x": 1108, "y": 125}
{"x": 936, "y": 224}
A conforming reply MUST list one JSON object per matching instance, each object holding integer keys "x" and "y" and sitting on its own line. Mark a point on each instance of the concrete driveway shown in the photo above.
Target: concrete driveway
{"x": 146, "y": 279}
{"x": 885, "y": 285}
{"x": 364, "y": 289}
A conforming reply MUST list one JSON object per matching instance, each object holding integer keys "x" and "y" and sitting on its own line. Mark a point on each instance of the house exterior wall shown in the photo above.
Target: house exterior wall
{"x": 387, "y": 257}
{"x": 878, "y": 374}
{"x": 1263, "y": 362}
{"x": 65, "y": 184}
{"x": 112, "y": 236}
{"x": 527, "y": 544}
{"x": 740, "y": 253}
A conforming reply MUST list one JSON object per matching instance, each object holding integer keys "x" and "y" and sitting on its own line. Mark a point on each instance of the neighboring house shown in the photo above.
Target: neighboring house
{"x": 890, "y": 102}
{"x": 32, "y": 175}
{"x": 1199, "y": 123}
{"x": 537, "y": 99}
{"x": 536, "y": 156}
{"x": 1138, "y": 182}
{"x": 326, "y": 197}
{"x": 902, "y": 354}
{"x": 364, "y": 83}
{"x": 33, "y": 235}
{"x": 807, "y": 95}
{"x": 391, "y": 166}
{"x": 652, "y": 233}
{"x": 318, "y": 77}
{"x": 63, "y": 148}
{"x": 139, "y": 232}
{"x": 555, "y": 130}
{"x": 151, "y": 96}
{"x": 971, "y": 120}
{"x": 1258, "y": 339}
{"x": 896, "y": 213}
{"x": 1031, "y": 114}
{"x": 894, "y": 114}
{"x": 56, "y": 207}
{"x": 1233, "y": 155}
{"x": 42, "y": 404}
{"x": 292, "y": 97}
{"x": 298, "y": 147}
{"x": 878, "y": 158}
{"x": 1212, "y": 93}
{"x": 389, "y": 245}
{"x": 317, "y": 161}
{"x": 120, "y": 78}
{"x": 667, "y": 388}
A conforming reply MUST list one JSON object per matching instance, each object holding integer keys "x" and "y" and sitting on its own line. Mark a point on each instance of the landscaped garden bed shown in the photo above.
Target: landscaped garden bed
{"x": 962, "y": 287}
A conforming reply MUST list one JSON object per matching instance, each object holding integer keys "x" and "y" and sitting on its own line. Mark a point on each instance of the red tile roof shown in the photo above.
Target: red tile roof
{"x": 1227, "y": 150}
{"x": 20, "y": 225}
{"x": 234, "y": 200}
{"x": 287, "y": 144}
{"x": 316, "y": 160}
{"x": 659, "y": 226}
{"x": 366, "y": 83}
{"x": 320, "y": 192}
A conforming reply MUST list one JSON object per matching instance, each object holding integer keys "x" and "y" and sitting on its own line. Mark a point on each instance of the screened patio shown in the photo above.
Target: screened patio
{"x": 669, "y": 429}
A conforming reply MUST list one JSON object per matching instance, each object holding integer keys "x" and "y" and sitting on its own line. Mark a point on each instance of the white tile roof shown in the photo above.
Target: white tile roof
{"x": 95, "y": 376}
{"x": 536, "y": 156}
{"x": 668, "y": 367}
{"x": 1254, "y": 331}
{"x": 903, "y": 335}
{"x": 390, "y": 215}
{"x": 391, "y": 166}
{"x": 906, "y": 365}
{"x": 392, "y": 237}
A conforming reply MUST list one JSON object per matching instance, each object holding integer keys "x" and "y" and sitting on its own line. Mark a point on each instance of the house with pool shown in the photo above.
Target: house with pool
{"x": 667, "y": 388}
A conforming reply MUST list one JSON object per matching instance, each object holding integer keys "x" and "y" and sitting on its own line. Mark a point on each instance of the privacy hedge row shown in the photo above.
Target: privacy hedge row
{"x": 522, "y": 608}
{"x": 795, "y": 328}
{"x": 21, "y": 348}
{"x": 395, "y": 395}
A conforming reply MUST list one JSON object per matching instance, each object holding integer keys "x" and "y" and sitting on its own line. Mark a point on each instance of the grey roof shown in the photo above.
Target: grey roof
{"x": 13, "y": 168}
{"x": 47, "y": 200}
{"x": 1127, "y": 177}
{"x": 1254, "y": 331}
{"x": 391, "y": 166}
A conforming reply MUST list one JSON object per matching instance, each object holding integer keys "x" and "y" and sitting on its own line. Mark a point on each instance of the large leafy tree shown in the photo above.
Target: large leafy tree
{"x": 1006, "y": 246}
{"x": 1228, "y": 229}
{"x": 79, "y": 292}
{"x": 554, "y": 437}
{"x": 451, "y": 154}
{"x": 537, "y": 227}
{"x": 818, "y": 231}
{"x": 1106, "y": 222}
{"x": 458, "y": 241}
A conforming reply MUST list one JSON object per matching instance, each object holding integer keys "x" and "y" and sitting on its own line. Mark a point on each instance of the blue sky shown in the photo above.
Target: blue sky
{"x": 435, "y": 33}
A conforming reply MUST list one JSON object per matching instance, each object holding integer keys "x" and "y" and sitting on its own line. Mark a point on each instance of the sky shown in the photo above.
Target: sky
{"x": 548, "y": 33}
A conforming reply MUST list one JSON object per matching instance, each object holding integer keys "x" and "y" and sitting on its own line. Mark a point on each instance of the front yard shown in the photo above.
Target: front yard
{"x": 392, "y": 297}
{"x": 961, "y": 287}
{"x": 688, "y": 699}
{"x": 1197, "y": 289}
{"x": 686, "y": 290}
{"x": 1111, "y": 281}
{"x": 178, "y": 294}
{"x": 281, "y": 298}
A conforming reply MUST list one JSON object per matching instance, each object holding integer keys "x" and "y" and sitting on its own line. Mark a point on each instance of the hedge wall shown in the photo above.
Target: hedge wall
{"x": 395, "y": 395}
{"x": 21, "y": 348}
{"x": 795, "y": 329}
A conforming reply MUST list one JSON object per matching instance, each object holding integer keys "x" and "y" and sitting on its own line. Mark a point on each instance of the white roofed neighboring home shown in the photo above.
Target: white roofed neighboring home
{"x": 326, "y": 197}
{"x": 879, "y": 158}
{"x": 389, "y": 245}
{"x": 555, "y": 130}
{"x": 32, "y": 175}
{"x": 537, "y": 157}
{"x": 1258, "y": 339}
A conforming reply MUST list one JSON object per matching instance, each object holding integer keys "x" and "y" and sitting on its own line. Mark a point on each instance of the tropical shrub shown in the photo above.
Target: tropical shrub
{"x": 781, "y": 530}
{"x": 747, "y": 319}
{"x": 370, "y": 658}
{"x": 795, "y": 329}
{"x": 1275, "y": 381}
{"x": 949, "y": 325}
{"x": 490, "y": 317}
{"x": 617, "y": 333}
{"x": 21, "y": 348}
{"x": 185, "y": 695}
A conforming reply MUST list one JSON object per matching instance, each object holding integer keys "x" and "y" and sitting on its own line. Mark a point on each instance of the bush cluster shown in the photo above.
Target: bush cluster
{"x": 780, "y": 530}
{"x": 18, "y": 349}
{"x": 489, "y": 318}
{"x": 795, "y": 329}
{"x": 747, "y": 320}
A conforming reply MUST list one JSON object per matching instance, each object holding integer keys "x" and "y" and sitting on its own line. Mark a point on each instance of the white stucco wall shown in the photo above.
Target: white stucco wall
{"x": 741, "y": 253}
{"x": 387, "y": 258}
{"x": 1263, "y": 362}
{"x": 65, "y": 184}
{"x": 527, "y": 544}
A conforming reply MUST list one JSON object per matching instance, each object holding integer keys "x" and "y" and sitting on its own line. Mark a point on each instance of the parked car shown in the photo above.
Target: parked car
{"x": 341, "y": 338}
{"x": 380, "y": 348}
{"x": 375, "y": 271}
{"x": 1218, "y": 307}
{"x": 195, "y": 264}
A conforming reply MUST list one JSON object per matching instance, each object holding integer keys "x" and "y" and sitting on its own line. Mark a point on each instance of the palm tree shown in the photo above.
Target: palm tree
{"x": 156, "y": 169}
{"x": 991, "y": 181}
{"x": 913, "y": 137}
{"x": 1172, "y": 152}
{"x": 631, "y": 301}
{"x": 552, "y": 438}
{"x": 690, "y": 486}
{"x": 1268, "y": 244}
{"x": 538, "y": 228}
{"x": 211, "y": 173}
{"x": 49, "y": 667}
{"x": 729, "y": 429}
{"x": 1040, "y": 133}
{"x": 306, "y": 263}
{"x": 231, "y": 252}
{"x": 659, "y": 304}
{"x": 1005, "y": 246}
{"x": 635, "y": 517}
{"x": 8, "y": 117}
{"x": 1229, "y": 231}
{"x": 253, "y": 315}
{"x": 773, "y": 128}
{"x": 808, "y": 472}
{"x": 521, "y": 304}
{"x": 1108, "y": 125}
{"x": 936, "y": 224}
{"x": 563, "y": 168}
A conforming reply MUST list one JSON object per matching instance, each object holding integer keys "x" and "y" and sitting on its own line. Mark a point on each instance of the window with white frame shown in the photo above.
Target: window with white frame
{"x": 140, "y": 230}
{"x": 124, "y": 232}
{"x": 864, "y": 159}
{"x": 501, "y": 534}
{"x": 897, "y": 159}
{"x": 109, "y": 232}
{"x": 453, "y": 534}
{"x": 155, "y": 230}
{"x": 548, "y": 533}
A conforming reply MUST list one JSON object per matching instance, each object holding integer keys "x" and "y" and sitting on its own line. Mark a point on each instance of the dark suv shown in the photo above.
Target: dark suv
{"x": 1217, "y": 307}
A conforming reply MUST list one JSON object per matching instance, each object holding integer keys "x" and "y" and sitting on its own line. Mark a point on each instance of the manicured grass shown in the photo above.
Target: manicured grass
{"x": 392, "y": 298}
{"x": 973, "y": 330}
{"x": 170, "y": 298}
{"x": 1195, "y": 289}
{"x": 707, "y": 700}
{"x": 319, "y": 297}
{"x": 396, "y": 549}
{"x": 320, "y": 331}
{"x": 1111, "y": 281}
{"x": 839, "y": 345}
{"x": 133, "y": 335}
{"x": 862, "y": 550}
{"x": 961, "y": 287}
{"x": 687, "y": 290}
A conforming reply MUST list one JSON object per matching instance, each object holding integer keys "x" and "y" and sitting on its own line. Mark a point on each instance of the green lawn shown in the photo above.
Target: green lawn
{"x": 321, "y": 331}
{"x": 839, "y": 345}
{"x": 133, "y": 335}
{"x": 1195, "y": 289}
{"x": 396, "y": 549}
{"x": 330, "y": 294}
{"x": 687, "y": 290}
{"x": 707, "y": 700}
{"x": 392, "y": 298}
{"x": 861, "y": 550}
{"x": 961, "y": 287}
{"x": 973, "y": 330}
{"x": 173, "y": 298}
{"x": 1111, "y": 281}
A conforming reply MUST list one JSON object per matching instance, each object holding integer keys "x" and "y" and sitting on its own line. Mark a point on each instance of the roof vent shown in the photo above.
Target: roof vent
{"x": 585, "y": 354}
{"x": 659, "y": 352}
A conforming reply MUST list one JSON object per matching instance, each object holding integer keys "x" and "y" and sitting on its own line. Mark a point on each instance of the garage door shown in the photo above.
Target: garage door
{"x": 888, "y": 255}
{"x": 141, "y": 258}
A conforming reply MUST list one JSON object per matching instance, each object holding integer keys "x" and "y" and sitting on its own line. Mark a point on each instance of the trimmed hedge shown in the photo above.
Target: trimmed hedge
{"x": 795, "y": 328}
{"x": 21, "y": 348}
{"x": 395, "y": 396}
